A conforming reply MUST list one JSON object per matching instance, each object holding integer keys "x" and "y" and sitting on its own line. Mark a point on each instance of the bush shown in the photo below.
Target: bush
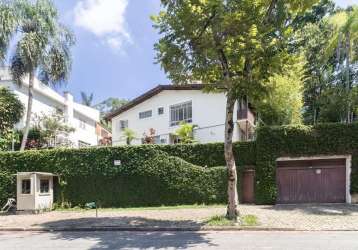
{"x": 152, "y": 175}
{"x": 146, "y": 177}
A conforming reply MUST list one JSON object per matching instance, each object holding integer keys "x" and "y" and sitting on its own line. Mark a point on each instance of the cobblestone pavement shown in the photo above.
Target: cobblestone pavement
{"x": 305, "y": 217}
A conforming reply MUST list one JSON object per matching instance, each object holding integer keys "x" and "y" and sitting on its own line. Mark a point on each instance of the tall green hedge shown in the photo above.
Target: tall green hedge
{"x": 147, "y": 176}
{"x": 324, "y": 139}
{"x": 177, "y": 174}
{"x": 212, "y": 154}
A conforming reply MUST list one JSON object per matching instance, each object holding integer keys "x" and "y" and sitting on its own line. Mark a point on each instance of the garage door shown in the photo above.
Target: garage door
{"x": 311, "y": 181}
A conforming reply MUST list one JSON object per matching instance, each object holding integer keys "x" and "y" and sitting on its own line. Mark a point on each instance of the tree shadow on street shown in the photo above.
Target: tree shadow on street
{"x": 147, "y": 238}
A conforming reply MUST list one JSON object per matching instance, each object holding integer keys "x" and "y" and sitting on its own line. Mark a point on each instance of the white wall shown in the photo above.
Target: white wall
{"x": 208, "y": 114}
{"x": 47, "y": 101}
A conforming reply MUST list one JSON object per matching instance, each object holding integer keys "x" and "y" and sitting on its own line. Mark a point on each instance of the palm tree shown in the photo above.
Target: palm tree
{"x": 87, "y": 99}
{"x": 345, "y": 24}
{"x": 7, "y": 23}
{"x": 42, "y": 46}
{"x": 129, "y": 135}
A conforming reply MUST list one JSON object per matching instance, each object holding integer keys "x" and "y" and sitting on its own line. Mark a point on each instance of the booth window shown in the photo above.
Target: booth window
{"x": 26, "y": 186}
{"x": 44, "y": 186}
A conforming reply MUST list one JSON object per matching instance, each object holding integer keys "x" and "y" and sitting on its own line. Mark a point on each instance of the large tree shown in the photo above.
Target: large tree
{"x": 344, "y": 42}
{"x": 284, "y": 102}
{"x": 87, "y": 99}
{"x": 11, "y": 111}
{"x": 42, "y": 46}
{"x": 234, "y": 46}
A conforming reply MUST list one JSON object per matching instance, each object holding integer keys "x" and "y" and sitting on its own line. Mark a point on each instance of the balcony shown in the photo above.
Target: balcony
{"x": 246, "y": 115}
{"x": 247, "y": 123}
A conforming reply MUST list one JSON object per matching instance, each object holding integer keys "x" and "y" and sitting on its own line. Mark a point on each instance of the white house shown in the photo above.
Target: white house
{"x": 163, "y": 108}
{"x": 46, "y": 101}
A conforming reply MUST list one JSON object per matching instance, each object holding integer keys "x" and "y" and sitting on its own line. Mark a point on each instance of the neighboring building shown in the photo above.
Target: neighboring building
{"x": 46, "y": 101}
{"x": 104, "y": 136}
{"x": 163, "y": 108}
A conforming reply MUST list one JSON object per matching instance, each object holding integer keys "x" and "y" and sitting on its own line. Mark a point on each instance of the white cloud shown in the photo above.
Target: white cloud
{"x": 105, "y": 19}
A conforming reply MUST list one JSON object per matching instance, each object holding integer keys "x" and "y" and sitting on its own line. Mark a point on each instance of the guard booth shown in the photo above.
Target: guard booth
{"x": 34, "y": 191}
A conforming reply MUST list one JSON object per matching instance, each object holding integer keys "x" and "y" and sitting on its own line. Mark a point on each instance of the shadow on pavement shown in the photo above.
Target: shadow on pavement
{"x": 120, "y": 221}
{"x": 138, "y": 240}
{"x": 318, "y": 209}
{"x": 129, "y": 239}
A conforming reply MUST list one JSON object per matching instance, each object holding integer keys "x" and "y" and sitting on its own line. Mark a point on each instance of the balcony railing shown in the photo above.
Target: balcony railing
{"x": 246, "y": 114}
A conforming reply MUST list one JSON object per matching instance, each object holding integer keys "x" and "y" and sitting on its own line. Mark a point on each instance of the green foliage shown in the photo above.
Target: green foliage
{"x": 283, "y": 104}
{"x": 107, "y": 106}
{"x": 212, "y": 154}
{"x": 7, "y": 187}
{"x": 185, "y": 133}
{"x": 323, "y": 139}
{"x": 329, "y": 46}
{"x": 11, "y": 109}
{"x": 87, "y": 99}
{"x": 129, "y": 135}
{"x": 51, "y": 126}
{"x": 42, "y": 45}
{"x": 110, "y": 105}
{"x": 147, "y": 176}
{"x": 153, "y": 175}
{"x": 221, "y": 220}
{"x": 231, "y": 44}
{"x": 7, "y": 24}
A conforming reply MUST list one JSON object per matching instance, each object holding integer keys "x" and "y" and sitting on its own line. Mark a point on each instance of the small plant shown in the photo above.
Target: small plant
{"x": 249, "y": 220}
{"x": 129, "y": 135}
{"x": 221, "y": 220}
{"x": 149, "y": 138}
{"x": 185, "y": 133}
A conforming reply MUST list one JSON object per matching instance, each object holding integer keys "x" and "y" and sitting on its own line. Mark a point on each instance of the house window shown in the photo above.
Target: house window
{"x": 145, "y": 114}
{"x": 123, "y": 124}
{"x": 82, "y": 124}
{"x": 26, "y": 186}
{"x": 82, "y": 144}
{"x": 181, "y": 113}
{"x": 157, "y": 139}
{"x": 45, "y": 186}
{"x": 160, "y": 111}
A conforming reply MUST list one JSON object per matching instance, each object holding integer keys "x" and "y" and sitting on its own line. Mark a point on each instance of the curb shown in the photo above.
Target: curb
{"x": 164, "y": 229}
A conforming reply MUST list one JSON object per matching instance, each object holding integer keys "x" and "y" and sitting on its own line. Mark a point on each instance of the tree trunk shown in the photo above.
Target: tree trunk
{"x": 232, "y": 210}
{"x": 28, "y": 112}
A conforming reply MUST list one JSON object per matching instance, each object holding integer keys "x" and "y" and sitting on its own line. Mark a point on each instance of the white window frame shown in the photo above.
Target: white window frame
{"x": 145, "y": 114}
{"x": 48, "y": 181}
{"x": 187, "y": 113}
{"x": 22, "y": 186}
{"x": 122, "y": 125}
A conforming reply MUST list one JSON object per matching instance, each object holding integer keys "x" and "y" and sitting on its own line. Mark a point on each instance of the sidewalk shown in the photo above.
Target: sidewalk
{"x": 303, "y": 217}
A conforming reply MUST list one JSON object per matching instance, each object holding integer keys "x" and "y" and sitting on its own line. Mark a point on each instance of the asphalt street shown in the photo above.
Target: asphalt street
{"x": 180, "y": 240}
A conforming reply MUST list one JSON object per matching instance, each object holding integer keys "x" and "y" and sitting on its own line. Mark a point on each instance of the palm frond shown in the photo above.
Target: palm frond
{"x": 8, "y": 25}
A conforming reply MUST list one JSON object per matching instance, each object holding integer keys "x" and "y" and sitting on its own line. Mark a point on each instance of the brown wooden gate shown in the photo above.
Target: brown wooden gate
{"x": 311, "y": 181}
{"x": 248, "y": 186}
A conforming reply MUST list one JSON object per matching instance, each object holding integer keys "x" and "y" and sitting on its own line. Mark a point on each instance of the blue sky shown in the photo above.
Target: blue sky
{"x": 114, "y": 55}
